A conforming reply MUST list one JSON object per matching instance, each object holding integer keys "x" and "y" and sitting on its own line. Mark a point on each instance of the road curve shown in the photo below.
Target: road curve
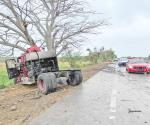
{"x": 111, "y": 97}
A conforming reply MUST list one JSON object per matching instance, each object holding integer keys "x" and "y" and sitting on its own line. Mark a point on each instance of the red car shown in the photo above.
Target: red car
{"x": 137, "y": 66}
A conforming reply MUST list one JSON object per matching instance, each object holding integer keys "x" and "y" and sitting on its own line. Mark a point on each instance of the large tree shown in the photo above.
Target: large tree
{"x": 53, "y": 24}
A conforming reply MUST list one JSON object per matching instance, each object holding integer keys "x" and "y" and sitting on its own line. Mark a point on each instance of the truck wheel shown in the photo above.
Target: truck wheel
{"x": 75, "y": 78}
{"x": 52, "y": 82}
{"x": 46, "y": 82}
{"x": 43, "y": 82}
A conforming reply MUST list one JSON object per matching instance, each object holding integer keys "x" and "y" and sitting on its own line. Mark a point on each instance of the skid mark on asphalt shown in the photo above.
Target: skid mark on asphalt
{"x": 113, "y": 105}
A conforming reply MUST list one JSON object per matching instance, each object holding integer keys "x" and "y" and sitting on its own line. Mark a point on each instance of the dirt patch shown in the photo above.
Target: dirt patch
{"x": 19, "y": 104}
{"x": 93, "y": 69}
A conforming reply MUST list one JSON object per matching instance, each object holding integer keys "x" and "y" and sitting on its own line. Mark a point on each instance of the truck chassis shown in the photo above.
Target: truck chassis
{"x": 41, "y": 67}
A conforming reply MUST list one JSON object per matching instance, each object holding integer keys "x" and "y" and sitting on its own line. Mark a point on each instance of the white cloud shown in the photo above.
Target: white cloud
{"x": 129, "y": 33}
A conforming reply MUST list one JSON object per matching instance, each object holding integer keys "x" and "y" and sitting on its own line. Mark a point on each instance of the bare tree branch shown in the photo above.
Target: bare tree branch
{"x": 56, "y": 24}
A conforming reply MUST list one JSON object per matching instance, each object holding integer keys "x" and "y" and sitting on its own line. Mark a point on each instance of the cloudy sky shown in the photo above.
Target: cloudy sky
{"x": 129, "y": 34}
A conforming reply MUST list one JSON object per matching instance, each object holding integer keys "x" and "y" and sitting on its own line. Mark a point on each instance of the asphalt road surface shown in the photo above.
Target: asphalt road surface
{"x": 111, "y": 97}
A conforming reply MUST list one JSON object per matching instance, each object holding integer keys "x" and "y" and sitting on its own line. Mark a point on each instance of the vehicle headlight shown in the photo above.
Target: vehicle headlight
{"x": 148, "y": 66}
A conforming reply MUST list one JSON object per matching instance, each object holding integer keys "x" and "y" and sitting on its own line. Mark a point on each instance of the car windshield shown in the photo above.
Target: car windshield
{"x": 123, "y": 59}
{"x": 136, "y": 61}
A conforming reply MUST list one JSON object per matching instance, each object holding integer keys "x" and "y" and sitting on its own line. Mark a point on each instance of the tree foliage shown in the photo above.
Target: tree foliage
{"x": 100, "y": 55}
{"x": 72, "y": 57}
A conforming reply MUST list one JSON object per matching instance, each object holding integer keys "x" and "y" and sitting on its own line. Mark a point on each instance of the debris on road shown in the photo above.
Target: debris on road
{"x": 26, "y": 118}
{"x": 13, "y": 108}
{"x": 132, "y": 111}
{"x": 20, "y": 100}
{"x": 109, "y": 69}
{"x": 37, "y": 95}
{"x": 145, "y": 122}
{"x": 125, "y": 100}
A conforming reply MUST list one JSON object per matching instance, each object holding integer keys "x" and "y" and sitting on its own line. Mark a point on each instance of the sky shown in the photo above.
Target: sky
{"x": 129, "y": 32}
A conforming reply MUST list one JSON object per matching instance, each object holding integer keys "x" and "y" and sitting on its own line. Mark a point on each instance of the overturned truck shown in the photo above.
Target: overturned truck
{"x": 41, "y": 67}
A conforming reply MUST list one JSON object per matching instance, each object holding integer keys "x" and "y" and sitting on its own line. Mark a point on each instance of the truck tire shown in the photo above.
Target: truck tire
{"x": 75, "y": 78}
{"x": 42, "y": 83}
{"x": 52, "y": 82}
{"x": 46, "y": 83}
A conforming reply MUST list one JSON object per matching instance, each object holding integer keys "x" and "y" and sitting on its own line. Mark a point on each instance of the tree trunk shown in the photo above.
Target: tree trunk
{"x": 49, "y": 44}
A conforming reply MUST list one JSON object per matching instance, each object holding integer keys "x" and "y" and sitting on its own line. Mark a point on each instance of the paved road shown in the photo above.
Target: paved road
{"x": 111, "y": 97}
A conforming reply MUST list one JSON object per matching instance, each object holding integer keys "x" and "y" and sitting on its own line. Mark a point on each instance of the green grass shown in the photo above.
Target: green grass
{"x": 80, "y": 64}
{"x": 4, "y": 80}
{"x": 63, "y": 65}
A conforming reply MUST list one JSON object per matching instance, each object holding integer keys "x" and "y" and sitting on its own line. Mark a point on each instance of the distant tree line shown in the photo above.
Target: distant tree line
{"x": 75, "y": 59}
{"x": 100, "y": 55}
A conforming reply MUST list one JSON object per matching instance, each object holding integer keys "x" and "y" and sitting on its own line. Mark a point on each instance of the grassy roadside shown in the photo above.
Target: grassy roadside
{"x": 4, "y": 80}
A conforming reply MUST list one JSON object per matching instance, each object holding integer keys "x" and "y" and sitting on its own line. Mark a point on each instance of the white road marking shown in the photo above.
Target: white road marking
{"x": 112, "y": 117}
{"x": 113, "y": 110}
{"x": 113, "y": 105}
{"x": 113, "y": 99}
